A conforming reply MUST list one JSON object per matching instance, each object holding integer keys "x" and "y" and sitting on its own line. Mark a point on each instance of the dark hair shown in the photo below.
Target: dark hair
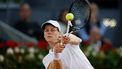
{"x": 61, "y": 13}
{"x": 22, "y": 4}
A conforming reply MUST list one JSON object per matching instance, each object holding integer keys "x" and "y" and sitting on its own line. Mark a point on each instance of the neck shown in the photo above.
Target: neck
{"x": 51, "y": 44}
{"x": 25, "y": 19}
{"x": 94, "y": 20}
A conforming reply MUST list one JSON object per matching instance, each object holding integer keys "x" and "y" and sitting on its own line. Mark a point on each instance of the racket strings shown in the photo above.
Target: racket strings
{"x": 80, "y": 9}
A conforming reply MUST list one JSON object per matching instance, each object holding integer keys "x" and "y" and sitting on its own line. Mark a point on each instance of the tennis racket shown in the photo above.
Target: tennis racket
{"x": 82, "y": 13}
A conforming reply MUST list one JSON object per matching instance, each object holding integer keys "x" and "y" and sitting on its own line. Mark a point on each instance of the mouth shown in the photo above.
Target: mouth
{"x": 49, "y": 36}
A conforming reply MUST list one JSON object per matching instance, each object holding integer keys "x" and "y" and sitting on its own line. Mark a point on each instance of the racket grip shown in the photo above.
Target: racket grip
{"x": 68, "y": 27}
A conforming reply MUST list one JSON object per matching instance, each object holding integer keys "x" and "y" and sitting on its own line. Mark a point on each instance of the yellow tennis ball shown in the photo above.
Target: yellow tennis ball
{"x": 69, "y": 16}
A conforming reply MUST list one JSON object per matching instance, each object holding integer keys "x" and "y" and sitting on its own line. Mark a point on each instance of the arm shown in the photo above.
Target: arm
{"x": 74, "y": 39}
{"x": 71, "y": 39}
{"x": 56, "y": 63}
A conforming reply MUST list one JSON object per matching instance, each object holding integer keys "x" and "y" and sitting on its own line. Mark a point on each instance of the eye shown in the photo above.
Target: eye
{"x": 53, "y": 30}
{"x": 46, "y": 30}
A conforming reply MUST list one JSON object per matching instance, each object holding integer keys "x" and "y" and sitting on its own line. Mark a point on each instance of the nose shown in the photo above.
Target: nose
{"x": 49, "y": 32}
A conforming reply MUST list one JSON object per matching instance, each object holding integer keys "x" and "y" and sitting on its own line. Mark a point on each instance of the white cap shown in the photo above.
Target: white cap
{"x": 52, "y": 22}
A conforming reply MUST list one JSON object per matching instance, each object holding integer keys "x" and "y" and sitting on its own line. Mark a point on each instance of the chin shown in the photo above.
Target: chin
{"x": 49, "y": 39}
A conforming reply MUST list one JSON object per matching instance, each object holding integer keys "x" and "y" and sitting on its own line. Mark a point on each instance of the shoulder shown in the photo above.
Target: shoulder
{"x": 17, "y": 22}
{"x": 35, "y": 24}
{"x": 106, "y": 41}
{"x": 47, "y": 60}
{"x": 70, "y": 46}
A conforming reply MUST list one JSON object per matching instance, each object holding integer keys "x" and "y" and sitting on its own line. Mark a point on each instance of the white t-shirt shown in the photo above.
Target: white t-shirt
{"x": 71, "y": 57}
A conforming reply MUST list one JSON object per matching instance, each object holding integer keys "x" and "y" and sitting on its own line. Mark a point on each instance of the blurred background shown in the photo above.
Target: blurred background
{"x": 22, "y": 45}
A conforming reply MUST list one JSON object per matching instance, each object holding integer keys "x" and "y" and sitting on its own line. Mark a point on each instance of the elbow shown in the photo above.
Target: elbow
{"x": 76, "y": 42}
{"x": 79, "y": 41}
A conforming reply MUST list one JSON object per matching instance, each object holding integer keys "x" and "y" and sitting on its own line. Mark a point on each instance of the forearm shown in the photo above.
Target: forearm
{"x": 74, "y": 40}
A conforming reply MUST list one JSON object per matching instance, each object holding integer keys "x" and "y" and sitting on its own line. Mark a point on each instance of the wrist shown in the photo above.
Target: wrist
{"x": 55, "y": 54}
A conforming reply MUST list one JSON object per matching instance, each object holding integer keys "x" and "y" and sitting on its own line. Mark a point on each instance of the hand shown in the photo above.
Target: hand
{"x": 66, "y": 39}
{"x": 58, "y": 48}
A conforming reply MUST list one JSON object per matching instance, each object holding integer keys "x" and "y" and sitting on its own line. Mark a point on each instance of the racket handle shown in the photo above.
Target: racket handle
{"x": 71, "y": 32}
{"x": 68, "y": 26}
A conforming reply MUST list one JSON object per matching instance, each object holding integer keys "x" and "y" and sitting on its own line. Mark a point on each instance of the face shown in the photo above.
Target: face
{"x": 94, "y": 10}
{"x": 95, "y": 35}
{"x": 51, "y": 33}
{"x": 25, "y": 12}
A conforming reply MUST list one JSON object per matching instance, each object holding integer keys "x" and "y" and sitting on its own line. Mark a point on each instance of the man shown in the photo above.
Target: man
{"x": 25, "y": 24}
{"x": 94, "y": 21}
{"x": 65, "y": 52}
{"x": 98, "y": 42}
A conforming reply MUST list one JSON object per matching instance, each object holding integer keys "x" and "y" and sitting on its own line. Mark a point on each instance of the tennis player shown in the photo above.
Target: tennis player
{"x": 64, "y": 52}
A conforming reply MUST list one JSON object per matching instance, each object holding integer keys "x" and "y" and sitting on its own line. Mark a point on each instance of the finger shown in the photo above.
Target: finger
{"x": 65, "y": 37}
{"x": 61, "y": 49}
{"x": 59, "y": 39}
{"x": 62, "y": 46}
{"x": 58, "y": 44}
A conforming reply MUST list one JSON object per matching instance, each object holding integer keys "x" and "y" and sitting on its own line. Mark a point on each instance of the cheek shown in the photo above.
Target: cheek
{"x": 45, "y": 36}
{"x": 56, "y": 35}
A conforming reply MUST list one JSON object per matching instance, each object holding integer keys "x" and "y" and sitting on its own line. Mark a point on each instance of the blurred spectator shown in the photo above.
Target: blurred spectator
{"x": 25, "y": 25}
{"x": 2, "y": 45}
{"x": 97, "y": 41}
{"x": 62, "y": 20}
{"x": 94, "y": 21}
